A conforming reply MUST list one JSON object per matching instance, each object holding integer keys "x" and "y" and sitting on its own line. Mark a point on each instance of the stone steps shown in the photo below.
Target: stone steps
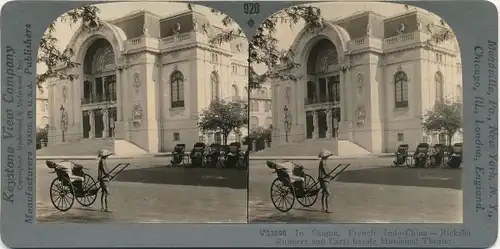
{"x": 313, "y": 148}
{"x": 84, "y": 147}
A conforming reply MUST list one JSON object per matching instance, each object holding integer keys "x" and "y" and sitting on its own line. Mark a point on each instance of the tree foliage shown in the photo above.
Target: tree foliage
{"x": 51, "y": 56}
{"x": 445, "y": 117}
{"x": 224, "y": 117}
{"x": 261, "y": 133}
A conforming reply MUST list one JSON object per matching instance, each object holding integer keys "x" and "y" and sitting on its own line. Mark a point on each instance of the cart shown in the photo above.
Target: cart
{"x": 64, "y": 190}
{"x": 284, "y": 192}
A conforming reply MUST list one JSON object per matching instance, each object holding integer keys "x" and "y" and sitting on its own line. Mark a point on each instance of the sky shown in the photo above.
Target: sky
{"x": 330, "y": 11}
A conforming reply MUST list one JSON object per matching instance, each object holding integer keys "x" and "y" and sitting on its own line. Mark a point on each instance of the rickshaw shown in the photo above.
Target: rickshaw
{"x": 72, "y": 183}
{"x": 179, "y": 156}
{"x": 421, "y": 155}
{"x": 436, "y": 156}
{"x": 197, "y": 154}
{"x": 455, "y": 156}
{"x": 402, "y": 155}
{"x": 212, "y": 155}
{"x": 284, "y": 191}
{"x": 235, "y": 158}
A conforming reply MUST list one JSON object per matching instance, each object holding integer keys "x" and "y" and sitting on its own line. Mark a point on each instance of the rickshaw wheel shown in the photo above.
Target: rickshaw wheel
{"x": 62, "y": 195}
{"x": 282, "y": 195}
{"x": 310, "y": 192}
{"x": 90, "y": 190}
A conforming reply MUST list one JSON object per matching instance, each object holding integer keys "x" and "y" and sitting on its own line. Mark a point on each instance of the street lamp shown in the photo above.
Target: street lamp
{"x": 288, "y": 122}
{"x": 64, "y": 121}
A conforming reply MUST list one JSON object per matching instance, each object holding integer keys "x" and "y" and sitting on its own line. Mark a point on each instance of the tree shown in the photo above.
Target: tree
{"x": 264, "y": 50}
{"x": 445, "y": 117}
{"x": 224, "y": 117}
{"x": 51, "y": 56}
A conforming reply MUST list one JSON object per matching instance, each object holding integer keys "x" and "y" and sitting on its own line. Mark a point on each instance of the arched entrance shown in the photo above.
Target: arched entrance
{"x": 99, "y": 90}
{"x": 322, "y": 100}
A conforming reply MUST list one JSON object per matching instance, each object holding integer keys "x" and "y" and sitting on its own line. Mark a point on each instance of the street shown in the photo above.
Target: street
{"x": 369, "y": 191}
{"x": 149, "y": 192}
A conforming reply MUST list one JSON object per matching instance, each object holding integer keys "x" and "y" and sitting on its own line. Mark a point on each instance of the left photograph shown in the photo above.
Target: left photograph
{"x": 142, "y": 116}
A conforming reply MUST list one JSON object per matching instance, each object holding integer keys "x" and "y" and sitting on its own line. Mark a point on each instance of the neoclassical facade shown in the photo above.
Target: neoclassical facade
{"x": 365, "y": 80}
{"x": 144, "y": 78}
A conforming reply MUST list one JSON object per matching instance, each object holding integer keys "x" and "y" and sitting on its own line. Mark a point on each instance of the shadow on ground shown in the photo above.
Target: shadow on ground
{"x": 211, "y": 177}
{"x": 418, "y": 177}
{"x": 76, "y": 215}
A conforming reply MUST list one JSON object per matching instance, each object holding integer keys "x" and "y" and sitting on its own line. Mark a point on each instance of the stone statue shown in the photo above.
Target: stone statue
{"x": 145, "y": 30}
{"x": 177, "y": 28}
{"x": 419, "y": 24}
{"x": 369, "y": 29}
{"x": 195, "y": 24}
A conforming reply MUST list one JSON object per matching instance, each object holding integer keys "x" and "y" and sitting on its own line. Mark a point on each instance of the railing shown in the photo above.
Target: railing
{"x": 177, "y": 38}
{"x": 98, "y": 99}
{"x": 399, "y": 39}
{"x": 322, "y": 99}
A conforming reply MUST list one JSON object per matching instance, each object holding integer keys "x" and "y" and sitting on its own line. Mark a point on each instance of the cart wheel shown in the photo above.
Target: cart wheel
{"x": 62, "y": 195}
{"x": 310, "y": 192}
{"x": 282, "y": 195}
{"x": 89, "y": 186}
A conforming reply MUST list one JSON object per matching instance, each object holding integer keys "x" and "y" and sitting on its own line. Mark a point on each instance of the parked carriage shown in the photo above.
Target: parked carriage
{"x": 455, "y": 155}
{"x": 179, "y": 156}
{"x": 420, "y": 157}
{"x": 284, "y": 191}
{"x": 73, "y": 183}
{"x": 235, "y": 158}
{"x": 403, "y": 156}
{"x": 197, "y": 154}
{"x": 437, "y": 155}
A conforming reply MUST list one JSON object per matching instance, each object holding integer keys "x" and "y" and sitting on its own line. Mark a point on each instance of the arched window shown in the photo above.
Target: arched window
{"x": 177, "y": 89}
{"x": 254, "y": 106}
{"x": 235, "y": 91}
{"x": 254, "y": 123}
{"x": 401, "y": 89}
{"x": 438, "y": 78}
{"x": 214, "y": 79}
{"x": 311, "y": 91}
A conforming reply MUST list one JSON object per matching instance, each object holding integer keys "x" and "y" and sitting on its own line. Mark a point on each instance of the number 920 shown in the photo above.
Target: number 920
{"x": 251, "y": 8}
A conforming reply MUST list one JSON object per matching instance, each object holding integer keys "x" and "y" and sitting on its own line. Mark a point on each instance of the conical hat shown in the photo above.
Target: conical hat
{"x": 324, "y": 153}
{"x": 104, "y": 153}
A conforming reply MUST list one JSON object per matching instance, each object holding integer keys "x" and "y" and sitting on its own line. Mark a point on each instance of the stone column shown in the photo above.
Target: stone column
{"x": 329, "y": 123}
{"x": 315, "y": 124}
{"x": 91, "y": 121}
{"x": 105, "y": 120}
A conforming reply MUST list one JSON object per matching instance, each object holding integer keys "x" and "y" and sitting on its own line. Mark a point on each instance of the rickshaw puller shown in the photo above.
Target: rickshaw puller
{"x": 324, "y": 178}
{"x": 103, "y": 177}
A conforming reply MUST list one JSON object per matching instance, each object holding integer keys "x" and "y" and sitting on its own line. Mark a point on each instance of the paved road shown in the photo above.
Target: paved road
{"x": 148, "y": 192}
{"x": 368, "y": 191}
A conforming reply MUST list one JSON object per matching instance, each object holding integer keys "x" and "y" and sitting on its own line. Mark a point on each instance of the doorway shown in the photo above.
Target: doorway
{"x": 309, "y": 125}
{"x": 322, "y": 125}
{"x": 86, "y": 124}
{"x": 98, "y": 123}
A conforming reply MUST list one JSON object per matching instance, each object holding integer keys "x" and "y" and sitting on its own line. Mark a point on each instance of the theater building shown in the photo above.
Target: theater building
{"x": 365, "y": 80}
{"x": 144, "y": 78}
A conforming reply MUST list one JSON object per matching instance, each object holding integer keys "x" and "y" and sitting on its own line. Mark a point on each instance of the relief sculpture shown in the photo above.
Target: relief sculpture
{"x": 360, "y": 115}
{"x": 137, "y": 82}
{"x": 359, "y": 84}
{"x": 137, "y": 115}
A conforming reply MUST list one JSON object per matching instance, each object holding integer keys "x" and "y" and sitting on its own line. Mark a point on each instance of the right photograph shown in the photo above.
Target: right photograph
{"x": 355, "y": 116}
